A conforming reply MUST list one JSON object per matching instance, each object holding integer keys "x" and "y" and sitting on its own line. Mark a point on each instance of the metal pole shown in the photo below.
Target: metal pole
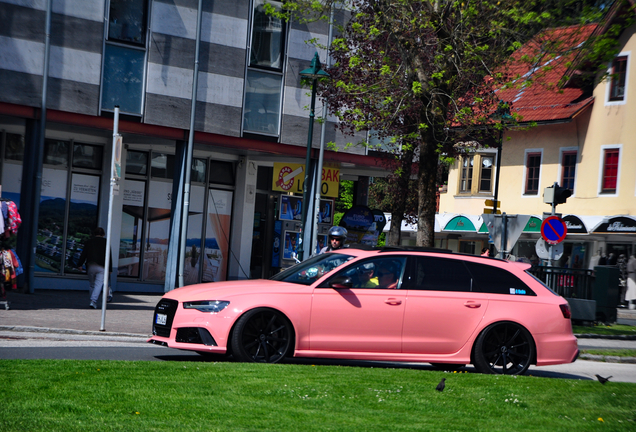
{"x": 321, "y": 154}
{"x": 30, "y": 276}
{"x": 504, "y": 235}
{"x": 308, "y": 178}
{"x": 110, "y": 219}
{"x": 188, "y": 161}
{"x": 499, "y": 150}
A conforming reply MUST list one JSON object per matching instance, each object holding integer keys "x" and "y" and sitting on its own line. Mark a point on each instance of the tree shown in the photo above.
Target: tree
{"x": 426, "y": 73}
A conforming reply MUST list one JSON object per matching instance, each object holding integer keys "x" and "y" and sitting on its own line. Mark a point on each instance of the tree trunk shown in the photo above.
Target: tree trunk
{"x": 395, "y": 232}
{"x": 426, "y": 189}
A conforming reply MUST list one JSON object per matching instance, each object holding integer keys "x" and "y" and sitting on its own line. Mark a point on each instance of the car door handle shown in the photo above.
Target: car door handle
{"x": 472, "y": 304}
{"x": 393, "y": 301}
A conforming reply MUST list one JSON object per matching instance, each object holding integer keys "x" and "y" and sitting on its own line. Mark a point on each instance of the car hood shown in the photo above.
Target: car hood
{"x": 222, "y": 290}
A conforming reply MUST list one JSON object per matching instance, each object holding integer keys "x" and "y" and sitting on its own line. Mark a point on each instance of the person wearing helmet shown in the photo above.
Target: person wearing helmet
{"x": 336, "y": 238}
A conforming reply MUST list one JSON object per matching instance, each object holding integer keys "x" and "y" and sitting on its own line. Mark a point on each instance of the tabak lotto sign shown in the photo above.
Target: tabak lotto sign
{"x": 290, "y": 177}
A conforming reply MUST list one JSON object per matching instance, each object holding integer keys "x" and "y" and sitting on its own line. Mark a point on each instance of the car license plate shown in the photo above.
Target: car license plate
{"x": 161, "y": 319}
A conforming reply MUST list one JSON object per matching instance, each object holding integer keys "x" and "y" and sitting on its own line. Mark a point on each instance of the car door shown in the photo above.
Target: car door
{"x": 441, "y": 311}
{"x": 363, "y": 315}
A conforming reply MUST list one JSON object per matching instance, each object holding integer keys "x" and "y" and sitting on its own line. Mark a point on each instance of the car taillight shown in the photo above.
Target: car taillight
{"x": 565, "y": 310}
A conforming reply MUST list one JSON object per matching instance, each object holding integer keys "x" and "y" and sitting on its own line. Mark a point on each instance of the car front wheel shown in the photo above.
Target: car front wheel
{"x": 263, "y": 336}
{"x": 504, "y": 348}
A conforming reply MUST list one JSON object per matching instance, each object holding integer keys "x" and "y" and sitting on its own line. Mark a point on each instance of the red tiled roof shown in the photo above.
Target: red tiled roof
{"x": 544, "y": 100}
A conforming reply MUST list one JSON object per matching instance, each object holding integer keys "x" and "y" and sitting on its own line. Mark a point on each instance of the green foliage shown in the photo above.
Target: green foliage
{"x": 345, "y": 196}
{"x": 70, "y": 395}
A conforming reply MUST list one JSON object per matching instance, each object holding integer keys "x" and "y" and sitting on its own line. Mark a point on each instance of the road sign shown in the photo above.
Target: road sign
{"x": 543, "y": 250}
{"x": 489, "y": 211}
{"x": 491, "y": 203}
{"x": 553, "y": 230}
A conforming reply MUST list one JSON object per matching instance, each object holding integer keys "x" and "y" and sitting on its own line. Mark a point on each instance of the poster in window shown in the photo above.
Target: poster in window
{"x": 290, "y": 246}
{"x": 131, "y": 223}
{"x": 82, "y": 217}
{"x": 157, "y": 231}
{"x": 48, "y": 250}
{"x": 194, "y": 235}
{"x": 217, "y": 233}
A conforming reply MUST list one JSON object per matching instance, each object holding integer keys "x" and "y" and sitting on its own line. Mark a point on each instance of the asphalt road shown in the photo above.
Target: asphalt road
{"x": 25, "y": 345}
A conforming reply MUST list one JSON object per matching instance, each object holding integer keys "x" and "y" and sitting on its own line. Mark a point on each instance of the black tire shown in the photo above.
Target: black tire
{"x": 448, "y": 366}
{"x": 262, "y": 336}
{"x": 504, "y": 348}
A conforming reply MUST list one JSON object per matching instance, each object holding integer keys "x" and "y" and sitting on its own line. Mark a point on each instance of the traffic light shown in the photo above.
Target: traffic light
{"x": 556, "y": 194}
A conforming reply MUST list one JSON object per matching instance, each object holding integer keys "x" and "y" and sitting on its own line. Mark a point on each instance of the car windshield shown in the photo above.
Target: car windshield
{"x": 309, "y": 271}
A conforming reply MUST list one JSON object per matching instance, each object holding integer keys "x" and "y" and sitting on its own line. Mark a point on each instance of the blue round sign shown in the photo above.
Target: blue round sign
{"x": 553, "y": 230}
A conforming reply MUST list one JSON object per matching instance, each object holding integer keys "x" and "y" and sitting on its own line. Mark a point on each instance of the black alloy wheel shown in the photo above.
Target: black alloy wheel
{"x": 262, "y": 336}
{"x": 505, "y": 349}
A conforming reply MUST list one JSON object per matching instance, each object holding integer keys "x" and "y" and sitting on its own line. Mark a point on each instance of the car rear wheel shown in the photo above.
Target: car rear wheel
{"x": 504, "y": 348}
{"x": 262, "y": 336}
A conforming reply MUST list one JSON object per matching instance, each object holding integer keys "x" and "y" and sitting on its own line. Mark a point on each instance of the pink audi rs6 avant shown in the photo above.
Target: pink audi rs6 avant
{"x": 386, "y": 304}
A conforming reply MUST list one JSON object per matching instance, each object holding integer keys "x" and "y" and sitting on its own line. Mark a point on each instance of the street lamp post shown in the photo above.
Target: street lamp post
{"x": 314, "y": 73}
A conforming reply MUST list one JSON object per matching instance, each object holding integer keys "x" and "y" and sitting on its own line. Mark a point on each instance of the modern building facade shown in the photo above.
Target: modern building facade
{"x": 250, "y": 122}
{"x": 585, "y": 140}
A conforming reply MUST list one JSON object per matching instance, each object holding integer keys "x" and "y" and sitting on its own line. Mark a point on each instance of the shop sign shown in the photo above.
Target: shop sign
{"x": 617, "y": 225}
{"x": 575, "y": 225}
{"x": 357, "y": 221}
{"x": 290, "y": 177}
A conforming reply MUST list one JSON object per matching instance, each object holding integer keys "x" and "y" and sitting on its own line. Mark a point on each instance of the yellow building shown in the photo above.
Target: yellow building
{"x": 585, "y": 140}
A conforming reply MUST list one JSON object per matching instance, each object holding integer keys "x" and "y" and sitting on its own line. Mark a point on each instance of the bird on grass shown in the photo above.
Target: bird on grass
{"x": 601, "y": 379}
{"x": 441, "y": 385}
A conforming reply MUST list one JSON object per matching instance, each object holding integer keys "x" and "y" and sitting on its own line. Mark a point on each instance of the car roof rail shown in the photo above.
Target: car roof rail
{"x": 414, "y": 249}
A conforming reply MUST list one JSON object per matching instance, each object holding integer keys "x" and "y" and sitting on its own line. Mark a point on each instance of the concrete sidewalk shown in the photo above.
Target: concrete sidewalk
{"x": 60, "y": 311}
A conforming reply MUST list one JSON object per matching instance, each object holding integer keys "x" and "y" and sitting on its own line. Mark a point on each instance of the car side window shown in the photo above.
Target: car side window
{"x": 380, "y": 273}
{"x": 437, "y": 274}
{"x": 495, "y": 280}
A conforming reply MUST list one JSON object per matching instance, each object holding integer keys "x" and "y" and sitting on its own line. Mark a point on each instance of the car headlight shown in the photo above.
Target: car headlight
{"x": 213, "y": 306}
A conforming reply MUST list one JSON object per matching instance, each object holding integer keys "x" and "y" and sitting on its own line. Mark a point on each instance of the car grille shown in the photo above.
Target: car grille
{"x": 166, "y": 307}
{"x": 195, "y": 335}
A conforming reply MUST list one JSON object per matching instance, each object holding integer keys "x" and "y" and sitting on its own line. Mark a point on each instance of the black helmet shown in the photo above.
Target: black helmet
{"x": 338, "y": 232}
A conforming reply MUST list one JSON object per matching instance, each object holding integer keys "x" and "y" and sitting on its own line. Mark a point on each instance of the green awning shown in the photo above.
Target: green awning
{"x": 533, "y": 225}
{"x": 460, "y": 223}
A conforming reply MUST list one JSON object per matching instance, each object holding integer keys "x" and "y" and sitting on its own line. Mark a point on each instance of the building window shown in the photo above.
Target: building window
{"x": 264, "y": 78}
{"x": 69, "y": 203}
{"x": 125, "y": 56}
{"x": 618, "y": 79}
{"x": 476, "y": 174}
{"x": 466, "y": 183}
{"x": 610, "y": 171}
{"x": 533, "y": 170}
{"x": 568, "y": 169}
{"x": 485, "y": 177}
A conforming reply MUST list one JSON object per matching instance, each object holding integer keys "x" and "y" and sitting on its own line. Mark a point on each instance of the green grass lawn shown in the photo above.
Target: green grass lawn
{"x": 611, "y": 352}
{"x": 615, "y": 329}
{"x": 68, "y": 395}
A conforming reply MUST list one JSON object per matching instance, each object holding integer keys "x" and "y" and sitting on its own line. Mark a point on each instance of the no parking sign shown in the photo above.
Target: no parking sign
{"x": 553, "y": 230}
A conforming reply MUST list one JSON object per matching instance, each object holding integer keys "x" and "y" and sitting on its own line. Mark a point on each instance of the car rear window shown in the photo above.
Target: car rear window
{"x": 494, "y": 280}
{"x": 437, "y": 274}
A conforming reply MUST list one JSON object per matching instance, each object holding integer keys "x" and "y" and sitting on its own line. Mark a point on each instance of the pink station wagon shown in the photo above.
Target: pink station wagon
{"x": 389, "y": 304}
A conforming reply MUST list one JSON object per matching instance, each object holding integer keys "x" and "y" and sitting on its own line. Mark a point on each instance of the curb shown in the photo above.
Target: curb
{"x": 70, "y": 331}
{"x": 607, "y": 358}
{"x": 597, "y": 336}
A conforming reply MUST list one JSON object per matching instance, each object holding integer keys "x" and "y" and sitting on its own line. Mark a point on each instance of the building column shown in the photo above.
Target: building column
{"x": 242, "y": 220}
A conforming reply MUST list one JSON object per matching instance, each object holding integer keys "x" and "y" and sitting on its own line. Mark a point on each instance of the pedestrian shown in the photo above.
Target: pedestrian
{"x": 485, "y": 252}
{"x": 630, "y": 294}
{"x": 94, "y": 255}
{"x": 336, "y": 239}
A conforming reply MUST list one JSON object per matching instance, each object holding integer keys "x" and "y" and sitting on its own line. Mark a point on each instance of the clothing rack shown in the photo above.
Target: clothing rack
{"x": 10, "y": 266}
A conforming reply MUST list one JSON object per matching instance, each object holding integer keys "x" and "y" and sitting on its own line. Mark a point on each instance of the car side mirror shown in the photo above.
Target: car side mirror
{"x": 341, "y": 282}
